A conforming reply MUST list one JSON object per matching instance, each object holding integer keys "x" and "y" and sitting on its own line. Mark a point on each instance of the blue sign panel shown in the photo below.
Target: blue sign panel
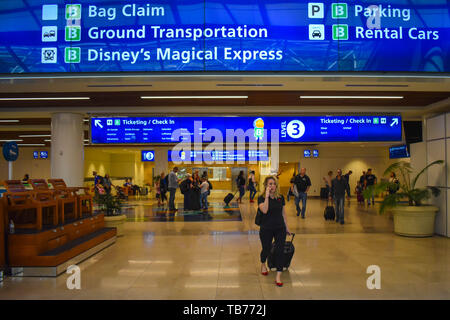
{"x": 223, "y": 156}
{"x": 307, "y": 153}
{"x": 147, "y": 155}
{"x": 223, "y": 35}
{"x": 35, "y": 154}
{"x": 398, "y": 152}
{"x": 315, "y": 153}
{"x": 44, "y": 154}
{"x": 254, "y": 129}
{"x": 10, "y": 151}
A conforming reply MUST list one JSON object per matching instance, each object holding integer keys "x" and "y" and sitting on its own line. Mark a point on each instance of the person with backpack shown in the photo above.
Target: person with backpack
{"x": 395, "y": 184}
{"x": 339, "y": 188}
{"x": 240, "y": 182}
{"x": 273, "y": 226}
{"x": 303, "y": 183}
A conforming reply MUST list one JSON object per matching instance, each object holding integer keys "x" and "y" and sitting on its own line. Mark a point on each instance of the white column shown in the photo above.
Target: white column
{"x": 161, "y": 161}
{"x": 67, "y": 150}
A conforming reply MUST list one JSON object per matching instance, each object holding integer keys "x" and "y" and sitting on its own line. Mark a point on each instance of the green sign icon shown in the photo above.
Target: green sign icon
{"x": 340, "y": 32}
{"x": 259, "y": 133}
{"x": 117, "y": 122}
{"x": 73, "y": 11}
{"x": 339, "y": 11}
{"x": 376, "y": 121}
{"x": 73, "y": 33}
{"x": 72, "y": 55}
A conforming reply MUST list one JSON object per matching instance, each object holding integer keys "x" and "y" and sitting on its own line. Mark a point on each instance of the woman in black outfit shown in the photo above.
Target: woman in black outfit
{"x": 240, "y": 181}
{"x": 273, "y": 225}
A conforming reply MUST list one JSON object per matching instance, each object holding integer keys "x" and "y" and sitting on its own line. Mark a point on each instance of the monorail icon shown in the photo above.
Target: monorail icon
{"x": 258, "y": 125}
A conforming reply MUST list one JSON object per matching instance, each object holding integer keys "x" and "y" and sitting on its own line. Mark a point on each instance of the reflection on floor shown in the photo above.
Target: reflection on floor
{"x": 220, "y": 260}
{"x": 147, "y": 212}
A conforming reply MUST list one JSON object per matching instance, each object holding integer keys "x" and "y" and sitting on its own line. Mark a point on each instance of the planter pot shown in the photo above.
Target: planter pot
{"x": 413, "y": 221}
{"x": 116, "y": 222}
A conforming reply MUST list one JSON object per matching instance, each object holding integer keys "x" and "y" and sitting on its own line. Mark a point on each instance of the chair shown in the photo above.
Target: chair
{"x": 63, "y": 197}
{"x": 19, "y": 200}
{"x": 84, "y": 201}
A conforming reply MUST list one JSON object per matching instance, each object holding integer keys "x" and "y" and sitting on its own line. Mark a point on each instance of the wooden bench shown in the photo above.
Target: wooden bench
{"x": 64, "y": 197}
{"x": 19, "y": 202}
{"x": 2, "y": 236}
{"x": 84, "y": 201}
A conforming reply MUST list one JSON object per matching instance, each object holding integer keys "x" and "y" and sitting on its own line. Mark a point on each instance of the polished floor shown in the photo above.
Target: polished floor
{"x": 219, "y": 259}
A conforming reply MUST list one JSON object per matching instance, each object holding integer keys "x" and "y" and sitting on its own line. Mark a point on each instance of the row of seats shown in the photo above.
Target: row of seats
{"x": 31, "y": 209}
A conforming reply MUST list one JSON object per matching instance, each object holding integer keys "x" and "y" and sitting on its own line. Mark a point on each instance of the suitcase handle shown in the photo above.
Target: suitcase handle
{"x": 293, "y": 235}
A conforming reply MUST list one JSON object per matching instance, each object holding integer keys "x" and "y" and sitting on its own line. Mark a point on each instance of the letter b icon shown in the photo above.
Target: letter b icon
{"x": 72, "y": 55}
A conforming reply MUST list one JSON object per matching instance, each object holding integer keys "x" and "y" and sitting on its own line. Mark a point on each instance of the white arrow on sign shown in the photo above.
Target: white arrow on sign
{"x": 98, "y": 123}
{"x": 394, "y": 122}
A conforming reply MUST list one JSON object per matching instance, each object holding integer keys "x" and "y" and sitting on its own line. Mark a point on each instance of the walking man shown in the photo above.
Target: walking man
{"x": 303, "y": 184}
{"x": 347, "y": 178}
{"x": 339, "y": 187}
{"x": 173, "y": 185}
{"x": 371, "y": 180}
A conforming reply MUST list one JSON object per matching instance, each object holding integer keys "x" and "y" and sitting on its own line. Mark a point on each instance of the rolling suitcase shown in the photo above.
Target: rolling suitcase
{"x": 228, "y": 198}
{"x": 329, "y": 213}
{"x": 288, "y": 253}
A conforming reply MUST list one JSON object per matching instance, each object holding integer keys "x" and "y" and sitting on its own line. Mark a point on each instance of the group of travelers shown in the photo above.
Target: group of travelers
{"x": 194, "y": 188}
{"x": 250, "y": 186}
{"x": 103, "y": 185}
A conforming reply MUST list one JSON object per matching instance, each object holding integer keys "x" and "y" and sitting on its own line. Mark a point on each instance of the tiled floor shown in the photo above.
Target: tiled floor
{"x": 220, "y": 260}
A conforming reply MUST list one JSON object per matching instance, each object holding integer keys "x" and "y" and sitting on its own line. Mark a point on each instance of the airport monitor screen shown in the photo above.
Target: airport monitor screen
{"x": 59, "y": 36}
{"x": 398, "y": 152}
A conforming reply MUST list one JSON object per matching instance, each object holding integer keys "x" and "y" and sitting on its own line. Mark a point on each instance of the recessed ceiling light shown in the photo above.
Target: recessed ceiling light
{"x": 16, "y": 140}
{"x": 351, "y": 97}
{"x": 194, "y": 97}
{"x": 32, "y": 144}
{"x": 35, "y": 135}
{"x": 44, "y": 98}
{"x": 4, "y": 120}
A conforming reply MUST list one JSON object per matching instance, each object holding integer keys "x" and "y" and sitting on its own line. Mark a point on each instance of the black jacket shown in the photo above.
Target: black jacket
{"x": 338, "y": 187}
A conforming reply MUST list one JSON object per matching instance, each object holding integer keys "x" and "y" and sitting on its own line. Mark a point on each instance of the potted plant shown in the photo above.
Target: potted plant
{"x": 112, "y": 207}
{"x": 415, "y": 219}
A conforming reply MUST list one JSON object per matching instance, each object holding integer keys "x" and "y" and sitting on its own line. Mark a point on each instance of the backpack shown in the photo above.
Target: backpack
{"x": 184, "y": 186}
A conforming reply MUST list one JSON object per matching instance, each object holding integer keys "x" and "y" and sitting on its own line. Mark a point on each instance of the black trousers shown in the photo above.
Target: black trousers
{"x": 266, "y": 236}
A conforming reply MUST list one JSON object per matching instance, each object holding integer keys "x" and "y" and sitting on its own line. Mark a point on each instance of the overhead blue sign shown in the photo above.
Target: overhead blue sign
{"x": 398, "y": 152}
{"x": 307, "y": 153}
{"x": 10, "y": 151}
{"x": 223, "y": 35}
{"x": 147, "y": 155}
{"x": 315, "y": 153}
{"x": 43, "y": 154}
{"x": 254, "y": 129}
{"x": 222, "y": 156}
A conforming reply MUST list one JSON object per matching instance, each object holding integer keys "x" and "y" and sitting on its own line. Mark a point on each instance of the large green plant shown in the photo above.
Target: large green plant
{"x": 407, "y": 187}
{"x": 109, "y": 204}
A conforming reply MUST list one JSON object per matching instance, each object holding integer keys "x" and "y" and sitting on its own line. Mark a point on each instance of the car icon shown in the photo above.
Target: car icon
{"x": 49, "y": 34}
{"x": 316, "y": 34}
